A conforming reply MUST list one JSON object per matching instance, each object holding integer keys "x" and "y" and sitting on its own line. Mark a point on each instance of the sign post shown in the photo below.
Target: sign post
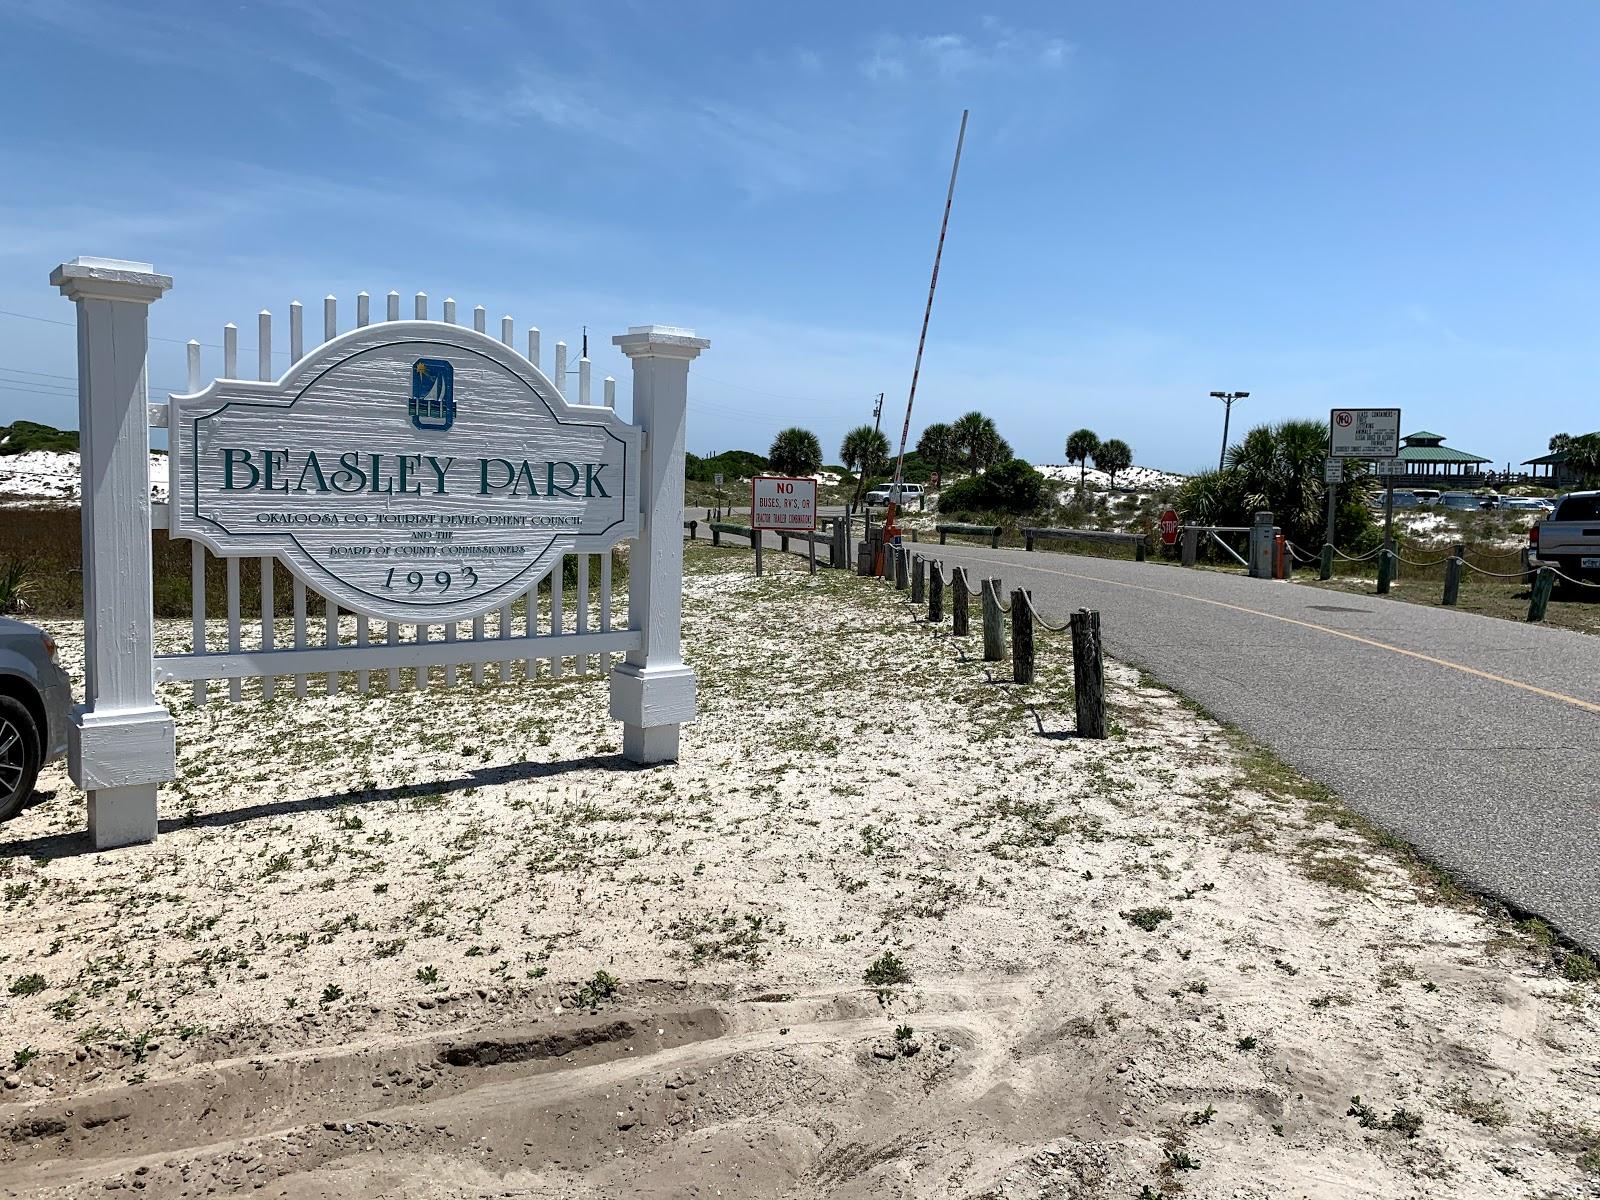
{"x": 1369, "y": 433}
{"x": 786, "y": 505}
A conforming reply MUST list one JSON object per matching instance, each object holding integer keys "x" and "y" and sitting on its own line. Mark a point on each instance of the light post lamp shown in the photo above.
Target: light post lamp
{"x": 1227, "y": 399}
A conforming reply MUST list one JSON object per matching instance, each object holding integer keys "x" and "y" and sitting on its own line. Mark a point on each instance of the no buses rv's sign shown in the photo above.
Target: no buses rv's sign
{"x": 409, "y": 470}
{"x": 783, "y": 504}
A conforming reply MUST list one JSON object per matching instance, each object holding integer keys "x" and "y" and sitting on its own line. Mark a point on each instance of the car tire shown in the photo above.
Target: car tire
{"x": 20, "y": 757}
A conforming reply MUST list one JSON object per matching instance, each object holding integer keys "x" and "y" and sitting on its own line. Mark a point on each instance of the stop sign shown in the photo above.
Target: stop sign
{"x": 1169, "y": 527}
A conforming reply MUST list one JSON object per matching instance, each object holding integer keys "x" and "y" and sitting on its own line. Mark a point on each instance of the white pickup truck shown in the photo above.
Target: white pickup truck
{"x": 1569, "y": 539}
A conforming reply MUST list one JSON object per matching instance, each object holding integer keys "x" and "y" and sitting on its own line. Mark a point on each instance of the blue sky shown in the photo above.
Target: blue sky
{"x": 1334, "y": 203}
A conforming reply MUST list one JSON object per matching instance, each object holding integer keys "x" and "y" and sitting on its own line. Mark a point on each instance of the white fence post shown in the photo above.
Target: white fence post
{"x": 122, "y": 740}
{"x": 653, "y": 692}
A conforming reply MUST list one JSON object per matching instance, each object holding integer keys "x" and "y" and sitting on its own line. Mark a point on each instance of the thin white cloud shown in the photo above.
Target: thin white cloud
{"x": 995, "y": 48}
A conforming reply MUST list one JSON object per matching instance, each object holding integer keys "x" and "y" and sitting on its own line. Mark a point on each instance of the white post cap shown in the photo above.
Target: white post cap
{"x": 88, "y": 278}
{"x": 660, "y": 341}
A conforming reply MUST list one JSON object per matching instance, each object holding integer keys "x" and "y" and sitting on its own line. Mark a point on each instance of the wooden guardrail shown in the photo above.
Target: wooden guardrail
{"x": 992, "y": 532}
{"x": 1140, "y": 542}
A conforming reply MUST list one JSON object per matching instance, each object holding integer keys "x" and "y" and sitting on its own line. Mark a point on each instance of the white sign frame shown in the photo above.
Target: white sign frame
{"x": 483, "y": 518}
{"x": 793, "y": 497}
{"x": 1363, "y": 432}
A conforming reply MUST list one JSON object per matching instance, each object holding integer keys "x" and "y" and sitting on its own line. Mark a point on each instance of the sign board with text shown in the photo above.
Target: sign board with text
{"x": 783, "y": 504}
{"x": 1384, "y": 467}
{"x": 1169, "y": 527}
{"x": 1332, "y": 470}
{"x": 408, "y": 471}
{"x": 1364, "y": 433}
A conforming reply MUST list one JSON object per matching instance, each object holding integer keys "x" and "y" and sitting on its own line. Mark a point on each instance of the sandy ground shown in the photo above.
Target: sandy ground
{"x": 447, "y": 944}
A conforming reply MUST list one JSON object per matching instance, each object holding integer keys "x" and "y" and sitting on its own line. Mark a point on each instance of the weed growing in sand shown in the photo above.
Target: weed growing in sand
{"x": 428, "y": 974}
{"x": 331, "y": 992}
{"x": 1182, "y": 1160}
{"x": 27, "y": 985}
{"x": 729, "y": 938}
{"x": 1247, "y": 1043}
{"x": 599, "y": 989}
{"x": 1489, "y": 1112}
{"x": 1147, "y": 918}
{"x": 1203, "y": 1116}
{"x": 21, "y": 1058}
{"x": 886, "y": 971}
{"x": 1400, "y": 1121}
{"x": 902, "y": 1033}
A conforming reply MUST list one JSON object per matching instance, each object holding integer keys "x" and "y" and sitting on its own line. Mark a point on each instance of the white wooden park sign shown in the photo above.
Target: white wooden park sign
{"x": 415, "y": 474}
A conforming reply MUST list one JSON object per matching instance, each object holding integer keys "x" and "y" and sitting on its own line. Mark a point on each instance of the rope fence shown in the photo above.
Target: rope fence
{"x": 929, "y": 584}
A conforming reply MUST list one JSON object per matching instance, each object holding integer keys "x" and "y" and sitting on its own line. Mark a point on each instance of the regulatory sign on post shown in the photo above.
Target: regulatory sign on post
{"x": 1169, "y": 527}
{"x": 1389, "y": 466}
{"x": 1364, "y": 433}
{"x": 717, "y": 478}
{"x": 783, "y": 504}
{"x": 1332, "y": 470}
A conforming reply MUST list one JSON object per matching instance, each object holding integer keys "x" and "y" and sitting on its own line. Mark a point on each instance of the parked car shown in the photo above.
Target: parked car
{"x": 1426, "y": 497}
{"x": 910, "y": 493}
{"x": 1569, "y": 539}
{"x": 1525, "y": 504}
{"x": 1461, "y": 501}
{"x": 35, "y": 710}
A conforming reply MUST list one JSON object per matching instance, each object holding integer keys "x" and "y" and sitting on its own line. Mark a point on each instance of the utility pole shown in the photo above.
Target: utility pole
{"x": 1227, "y": 399}
{"x": 877, "y": 412}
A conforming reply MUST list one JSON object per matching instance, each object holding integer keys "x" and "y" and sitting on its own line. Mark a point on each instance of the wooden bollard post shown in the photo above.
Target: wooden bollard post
{"x": 900, "y": 556}
{"x": 1385, "y": 571}
{"x": 693, "y": 527}
{"x": 783, "y": 542}
{"x": 1139, "y": 549}
{"x": 960, "y": 609}
{"x": 994, "y": 541}
{"x": 1021, "y": 637}
{"x": 756, "y": 540}
{"x": 1539, "y": 598}
{"x": 1191, "y": 547}
{"x": 1325, "y": 563}
{"x": 716, "y": 536}
{"x": 1088, "y": 673}
{"x": 935, "y": 593}
{"x": 1452, "y": 573}
{"x": 994, "y": 629}
{"x": 919, "y": 579}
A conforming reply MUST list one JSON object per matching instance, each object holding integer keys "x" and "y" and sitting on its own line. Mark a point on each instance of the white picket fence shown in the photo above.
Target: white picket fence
{"x": 353, "y": 648}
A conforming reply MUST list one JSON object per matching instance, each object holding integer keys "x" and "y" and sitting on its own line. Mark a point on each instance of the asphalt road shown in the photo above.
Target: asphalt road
{"x": 1475, "y": 739}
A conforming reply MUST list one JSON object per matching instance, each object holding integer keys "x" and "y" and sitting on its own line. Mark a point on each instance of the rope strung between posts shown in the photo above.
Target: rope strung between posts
{"x": 1046, "y": 624}
{"x": 1559, "y": 574}
{"x": 1432, "y": 562}
{"x": 1298, "y": 554}
{"x": 1495, "y": 574}
{"x": 1357, "y": 557}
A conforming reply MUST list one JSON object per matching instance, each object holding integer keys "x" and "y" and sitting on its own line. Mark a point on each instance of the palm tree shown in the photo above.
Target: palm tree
{"x": 865, "y": 451}
{"x": 978, "y": 442}
{"x": 1113, "y": 455}
{"x": 935, "y": 446}
{"x": 1277, "y": 468}
{"x": 1583, "y": 456}
{"x": 1082, "y": 446}
{"x": 1560, "y": 442}
{"x": 796, "y": 451}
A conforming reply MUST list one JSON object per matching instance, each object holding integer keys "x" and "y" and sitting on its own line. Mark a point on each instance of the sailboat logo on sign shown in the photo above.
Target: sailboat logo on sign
{"x": 433, "y": 394}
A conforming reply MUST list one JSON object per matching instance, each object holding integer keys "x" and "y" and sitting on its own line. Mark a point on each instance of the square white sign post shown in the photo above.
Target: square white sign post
{"x": 653, "y": 692}
{"x": 122, "y": 745}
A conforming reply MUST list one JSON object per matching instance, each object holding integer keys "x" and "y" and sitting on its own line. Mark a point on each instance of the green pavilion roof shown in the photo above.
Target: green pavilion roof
{"x": 1423, "y": 436}
{"x": 1439, "y": 454}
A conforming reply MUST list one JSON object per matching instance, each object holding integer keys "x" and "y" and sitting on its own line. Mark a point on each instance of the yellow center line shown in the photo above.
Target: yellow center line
{"x": 1576, "y": 702}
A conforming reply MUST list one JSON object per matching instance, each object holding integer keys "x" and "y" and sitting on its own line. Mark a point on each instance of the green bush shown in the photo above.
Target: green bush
{"x": 1010, "y": 487}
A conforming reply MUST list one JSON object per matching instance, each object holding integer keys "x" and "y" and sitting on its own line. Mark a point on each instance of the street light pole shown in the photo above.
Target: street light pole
{"x": 1227, "y": 399}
